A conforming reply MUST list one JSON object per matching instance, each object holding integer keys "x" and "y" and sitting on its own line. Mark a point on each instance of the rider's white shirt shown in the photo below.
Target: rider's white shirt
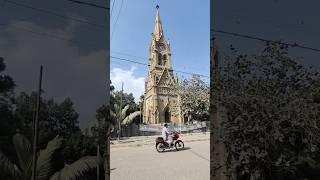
{"x": 165, "y": 133}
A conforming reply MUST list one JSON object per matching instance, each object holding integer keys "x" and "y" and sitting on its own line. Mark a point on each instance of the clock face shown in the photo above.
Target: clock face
{"x": 161, "y": 47}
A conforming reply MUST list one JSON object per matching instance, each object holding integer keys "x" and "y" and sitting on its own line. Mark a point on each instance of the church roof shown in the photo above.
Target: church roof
{"x": 158, "y": 32}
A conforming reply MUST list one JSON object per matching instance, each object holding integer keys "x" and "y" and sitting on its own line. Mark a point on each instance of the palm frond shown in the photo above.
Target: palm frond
{"x": 118, "y": 113}
{"x": 112, "y": 114}
{"x": 77, "y": 169}
{"x": 116, "y": 107}
{"x": 24, "y": 152}
{"x": 45, "y": 157}
{"x": 7, "y": 166}
{"x": 124, "y": 110}
{"x": 130, "y": 117}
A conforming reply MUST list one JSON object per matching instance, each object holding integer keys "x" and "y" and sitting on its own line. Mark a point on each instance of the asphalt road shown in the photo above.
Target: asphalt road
{"x": 145, "y": 163}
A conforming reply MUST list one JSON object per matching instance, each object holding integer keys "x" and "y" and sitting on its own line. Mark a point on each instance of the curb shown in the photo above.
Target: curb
{"x": 146, "y": 138}
{"x": 150, "y": 143}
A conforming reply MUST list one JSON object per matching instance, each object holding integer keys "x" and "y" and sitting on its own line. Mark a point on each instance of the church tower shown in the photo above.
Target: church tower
{"x": 162, "y": 101}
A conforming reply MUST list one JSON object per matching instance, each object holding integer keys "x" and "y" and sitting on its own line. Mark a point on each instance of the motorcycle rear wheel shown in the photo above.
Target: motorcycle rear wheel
{"x": 160, "y": 147}
{"x": 179, "y": 145}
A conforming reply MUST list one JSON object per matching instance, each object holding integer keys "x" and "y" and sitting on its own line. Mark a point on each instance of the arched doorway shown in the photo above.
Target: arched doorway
{"x": 167, "y": 116}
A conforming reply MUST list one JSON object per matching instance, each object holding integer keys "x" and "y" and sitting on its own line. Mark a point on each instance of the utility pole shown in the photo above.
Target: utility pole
{"x": 107, "y": 120}
{"x": 119, "y": 120}
{"x": 98, "y": 149}
{"x": 36, "y": 129}
{"x": 140, "y": 112}
{"x": 217, "y": 148}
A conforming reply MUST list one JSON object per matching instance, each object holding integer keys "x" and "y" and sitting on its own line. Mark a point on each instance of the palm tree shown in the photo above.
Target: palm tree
{"x": 22, "y": 170}
{"x": 120, "y": 115}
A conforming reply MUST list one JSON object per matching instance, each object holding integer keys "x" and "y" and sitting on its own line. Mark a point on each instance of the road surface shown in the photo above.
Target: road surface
{"x": 145, "y": 163}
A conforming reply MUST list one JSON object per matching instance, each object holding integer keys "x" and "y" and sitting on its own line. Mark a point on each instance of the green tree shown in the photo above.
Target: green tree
{"x": 271, "y": 128}
{"x": 8, "y": 124}
{"x": 55, "y": 118}
{"x": 22, "y": 170}
{"x": 120, "y": 97}
{"x": 195, "y": 95}
{"x": 126, "y": 99}
{"x": 63, "y": 118}
{"x": 121, "y": 117}
{"x": 24, "y": 113}
{"x": 77, "y": 146}
{"x": 140, "y": 104}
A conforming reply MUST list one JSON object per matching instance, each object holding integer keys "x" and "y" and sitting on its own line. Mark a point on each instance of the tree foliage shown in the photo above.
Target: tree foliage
{"x": 271, "y": 128}
{"x": 8, "y": 123}
{"x": 55, "y": 118}
{"x": 45, "y": 170}
{"x": 115, "y": 98}
{"x": 17, "y": 113}
{"x": 194, "y": 94}
{"x": 121, "y": 118}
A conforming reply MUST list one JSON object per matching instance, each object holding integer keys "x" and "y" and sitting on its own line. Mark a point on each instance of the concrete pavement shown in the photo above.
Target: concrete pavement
{"x": 143, "y": 162}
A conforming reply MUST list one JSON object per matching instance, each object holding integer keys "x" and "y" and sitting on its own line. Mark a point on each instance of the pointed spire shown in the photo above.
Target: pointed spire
{"x": 158, "y": 27}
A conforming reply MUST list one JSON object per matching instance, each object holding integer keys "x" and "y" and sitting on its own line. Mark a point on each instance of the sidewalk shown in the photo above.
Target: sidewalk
{"x": 149, "y": 140}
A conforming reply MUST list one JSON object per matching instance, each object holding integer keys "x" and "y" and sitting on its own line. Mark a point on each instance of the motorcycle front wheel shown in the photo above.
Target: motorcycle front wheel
{"x": 160, "y": 147}
{"x": 179, "y": 145}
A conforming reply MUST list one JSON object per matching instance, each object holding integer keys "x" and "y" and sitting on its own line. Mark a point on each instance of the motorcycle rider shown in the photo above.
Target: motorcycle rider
{"x": 167, "y": 135}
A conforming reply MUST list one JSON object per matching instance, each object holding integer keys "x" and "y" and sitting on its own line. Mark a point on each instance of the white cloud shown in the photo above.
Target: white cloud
{"x": 131, "y": 84}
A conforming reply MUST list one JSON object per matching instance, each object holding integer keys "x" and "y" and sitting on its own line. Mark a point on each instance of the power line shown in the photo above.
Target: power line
{"x": 51, "y": 35}
{"x": 263, "y": 20}
{"x": 114, "y": 1}
{"x": 88, "y": 4}
{"x": 143, "y": 58}
{"x": 126, "y": 54}
{"x": 55, "y": 14}
{"x": 21, "y": 19}
{"x": 128, "y": 60}
{"x": 88, "y": 43}
{"x": 114, "y": 26}
{"x": 266, "y": 40}
{"x": 144, "y": 64}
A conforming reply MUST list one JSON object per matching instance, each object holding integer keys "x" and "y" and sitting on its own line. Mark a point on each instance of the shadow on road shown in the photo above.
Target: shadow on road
{"x": 174, "y": 150}
{"x": 200, "y": 156}
{"x": 184, "y": 149}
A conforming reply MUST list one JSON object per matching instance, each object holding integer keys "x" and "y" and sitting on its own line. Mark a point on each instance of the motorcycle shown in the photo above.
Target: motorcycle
{"x": 162, "y": 145}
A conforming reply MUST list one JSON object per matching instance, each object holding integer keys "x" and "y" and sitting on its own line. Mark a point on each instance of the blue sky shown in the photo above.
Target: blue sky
{"x": 186, "y": 23}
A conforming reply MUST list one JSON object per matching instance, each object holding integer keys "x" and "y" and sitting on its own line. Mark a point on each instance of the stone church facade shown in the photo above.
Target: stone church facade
{"x": 161, "y": 98}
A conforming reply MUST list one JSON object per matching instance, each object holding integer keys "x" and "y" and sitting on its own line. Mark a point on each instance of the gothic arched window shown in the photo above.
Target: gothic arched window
{"x": 164, "y": 57}
{"x": 159, "y": 59}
